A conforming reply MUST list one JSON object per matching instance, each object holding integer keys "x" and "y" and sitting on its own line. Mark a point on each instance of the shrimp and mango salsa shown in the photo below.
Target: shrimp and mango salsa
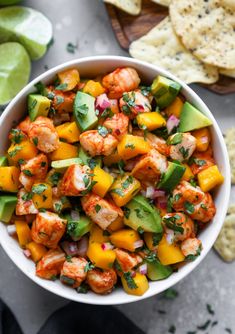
{"x": 112, "y": 181}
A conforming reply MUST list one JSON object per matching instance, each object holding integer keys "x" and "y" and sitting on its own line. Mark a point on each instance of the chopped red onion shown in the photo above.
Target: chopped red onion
{"x": 107, "y": 246}
{"x": 153, "y": 193}
{"x": 130, "y": 165}
{"x": 11, "y": 229}
{"x": 171, "y": 123}
{"x": 27, "y": 253}
{"x": 75, "y": 215}
{"x": 139, "y": 107}
{"x": 204, "y": 140}
{"x": 102, "y": 102}
{"x": 170, "y": 236}
{"x": 70, "y": 248}
{"x": 162, "y": 202}
{"x": 138, "y": 243}
{"x": 143, "y": 269}
{"x": 82, "y": 246}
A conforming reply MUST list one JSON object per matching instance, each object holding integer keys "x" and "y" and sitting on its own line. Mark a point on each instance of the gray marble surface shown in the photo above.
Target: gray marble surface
{"x": 85, "y": 22}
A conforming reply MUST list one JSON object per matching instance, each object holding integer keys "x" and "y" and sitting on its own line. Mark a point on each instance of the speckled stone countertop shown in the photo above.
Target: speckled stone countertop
{"x": 86, "y": 23}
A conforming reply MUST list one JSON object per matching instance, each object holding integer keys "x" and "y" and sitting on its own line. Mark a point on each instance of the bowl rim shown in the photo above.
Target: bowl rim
{"x": 227, "y": 182}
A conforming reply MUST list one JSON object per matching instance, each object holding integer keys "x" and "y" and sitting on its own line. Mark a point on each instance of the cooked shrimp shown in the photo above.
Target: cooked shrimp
{"x": 133, "y": 103}
{"x": 51, "y": 264}
{"x": 73, "y": 271}
{"x": 48, "y": 228}
{"x": 118, "y": 124}
{"x": 157, "y": 143}
{"x": 44, "y": 133}
{"x": 95, "y": 144}
{"x": 150, "y": 166}
{"x": 178, "y": 226}
{"x": 184, "y": 193}
{"x": 126, "y": 260}
{"x": 182, "y": 146}
{"x": 205, "y": 210}
{"x": 25, "y": 125}
{"x": 191, "y": 248}
{"x": 121, "y": 80}
{"x": 75, "y": 180}
{"x": 25, "y": 205}
{"x": 36, "y": 170}
{"x": 107, "y": 213}
{"x": 201, "y": 161}
{"x": 101, "y": 282}
{"x": 62, "y": 102}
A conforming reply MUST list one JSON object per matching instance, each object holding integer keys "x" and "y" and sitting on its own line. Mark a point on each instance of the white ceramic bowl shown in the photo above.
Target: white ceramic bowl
{"x": 91, "y": 67}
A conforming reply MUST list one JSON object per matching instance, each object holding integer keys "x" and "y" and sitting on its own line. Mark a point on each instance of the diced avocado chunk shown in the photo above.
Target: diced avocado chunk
{"x": 140, "y": 214}
{"x": 63, "y": 164}
{"x": 77, "y": 228}
{"x": 7, "y": 207}
{"x": 172, "y": 176}
{"x": 88, "y": 160}
{"x": 38, "y": 105}
{"x": 164, "y": 90}
{"x": 191, "y": 118}
{"x": 157, "y": 271}
{"x": 3, "y": 161}
{"x": 84, "y": 111}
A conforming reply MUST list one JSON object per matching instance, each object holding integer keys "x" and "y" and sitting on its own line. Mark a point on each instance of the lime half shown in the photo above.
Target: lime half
{"x": 26, "y": 26}
{"x": 14, "y": 70}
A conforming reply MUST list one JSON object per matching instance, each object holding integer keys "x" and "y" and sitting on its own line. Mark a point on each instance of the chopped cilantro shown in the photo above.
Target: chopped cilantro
{"x": 89, "y": 266}
{"x": 21, "y": 161}
{"x": 117, "y": 266}
{"x": 106, "y": 233}
{"x": 27, "y": 172}
{"x": 92, "y": 163}
{"x": 39, "y": 188}
{"x": 151, "y": 257}
{"x": 177, "y": 197}
{"x": 67, "y": 280}
{"x": 126, "y": 211}
{"x": 129, "y": 180}
{"x": 131, "y": 146}
{"x": 176, "y": 139}
{"x": 139, "y": 213}
{"x": 228, "y": 330}
{"x": 83, "y": 288}
{"x": 15, "y": 151}
{"x": 193, "y": 182}
{"x": 86, "y": 180}
{"x": 58, "y": 207}
{"x": 120, "y": 165}
{"x": 17, "y": 136}
{"x": 171, "y": 293}
{"x": 140, "y": 230}
{"x": 43, "y": 163}
{"x": 117, "y": 191}
{"x": 199, "y": 162}
{"x": 157, "y": 237}
{"x": 205, "y": 325}
{"x": 102, "y": 130}
{"x": 71, "y": 48}
{"x": 27, "y": 197}
{"x": 214, "y": 323}
{"x": 89, "y": 188}
{"x": 130, "y": 281}
{"x": 161, "y": 311}
{"x": 97, "y": 208}
{"x": 189, "y": 207}
{"x": 203, "y": 206}
{"x": 62, "y": 86}
{"x": 40, "y": 87}
{"x": 68, "y": 258}
{"x": 170, "y": 222}
{"x": 59, "y": 99}
{"x": 35, "y": 141}
{"x": 184, "y": 152}
{"x": 54, "y": 178}
{"x": 172, "y": 329}
{"x": 145, "y": 90}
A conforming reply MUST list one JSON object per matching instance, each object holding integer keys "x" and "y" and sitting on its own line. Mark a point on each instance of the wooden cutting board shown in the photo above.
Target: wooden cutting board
{"x": 128, "y": 28}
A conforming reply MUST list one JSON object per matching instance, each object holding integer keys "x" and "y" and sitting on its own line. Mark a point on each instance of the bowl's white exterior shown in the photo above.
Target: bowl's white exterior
{"x": 91, "y": 67}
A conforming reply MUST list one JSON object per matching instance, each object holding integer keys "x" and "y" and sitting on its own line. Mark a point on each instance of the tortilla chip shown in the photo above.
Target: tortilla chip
{"x": 132, "y": 7}
{"x": 162, "y": 47}
{"x": 206, "y": 28}
{"x": 228, "y": 73}
{"x": 165, "y": 3}
{"x": 230, "y": 143}
{"x": 225, "y": 243}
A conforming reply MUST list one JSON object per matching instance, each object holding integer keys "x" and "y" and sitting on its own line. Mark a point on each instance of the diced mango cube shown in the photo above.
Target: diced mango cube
{"x": 169, "y": 253}
{"x": 37, "y": 250}
{"x": 102, "y": 258}
{"x": 141, "y": 285}
{"x": 116, "y": 225}
{"x": 23, "y": 232}
{"x": 188, "y": 174}
{"x": 104, "y": 181}
{"x": 210, "y": 178}
{"x": 131, "y": 146}
{"x": 124, "y": 188}
{"x": 65, "y": 151}
{"x": 24, "y": 151}
{"x": 151, "y": 120}
{"x": 68, "y": 131}
{"x": 9, "y": 178}
{"x": 175, "y": 107}
{"x": 93, "y": 88}
{"x": 42, "y": 195}
{"x": 203, "y": 138}
{"x": 125, "y": 238}
{"x": 69, "y": 78}
{"x": 112, "y": 159}
{"x": 97, "y": 235}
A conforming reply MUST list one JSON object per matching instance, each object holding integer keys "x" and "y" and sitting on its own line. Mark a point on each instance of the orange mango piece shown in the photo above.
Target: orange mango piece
{"x": 169, "y": 253}
{"x": 103, "y": 259}
{"x": 42, "y": 195}
{"x": 131, "y": 146}
{"x": 9, "y": 178}
{"x": 25, "y": 150}
{"x": 210, "y": 178}
{"x": 141, "y": 283}
{"x": 68, "y": 131}
{"x": 125, "y": 238}
{"x": 23, "y": 232}
{"x": 93, "y": 88}
{"x": 104, "y": 181}
{"x": 203, "y": 138}
{"x": 37, "y": 250}
{"x": 175, "y": 107}
{"x": 69, "y": 78}
{"x": 64, "y": 151}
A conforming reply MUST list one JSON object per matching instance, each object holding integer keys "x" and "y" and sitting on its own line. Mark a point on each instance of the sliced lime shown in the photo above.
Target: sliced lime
{"x": 14, "y": 70}
{"x": 26, "y": 26}
{"x": 8, "y": 2}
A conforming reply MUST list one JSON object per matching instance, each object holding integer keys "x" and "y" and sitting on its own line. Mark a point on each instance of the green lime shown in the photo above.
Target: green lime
{"x": 26, "y": 26}
{"x": 8, "y": 2}
{"x": 15, "y": 68}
